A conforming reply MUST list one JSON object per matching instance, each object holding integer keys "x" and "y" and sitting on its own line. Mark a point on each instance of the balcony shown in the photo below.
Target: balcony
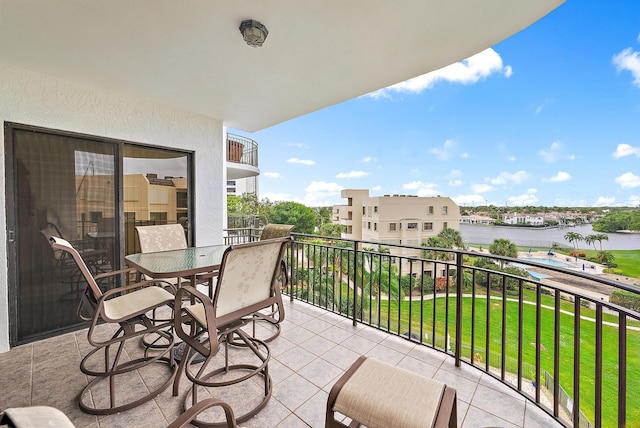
{"x": 517, "y": 336}
{"x": 242, "y": 157}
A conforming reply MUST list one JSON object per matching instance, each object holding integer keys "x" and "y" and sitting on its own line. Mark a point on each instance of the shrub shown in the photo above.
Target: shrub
{"x": 626, "y": 299}
{"x": 581, "y": 254}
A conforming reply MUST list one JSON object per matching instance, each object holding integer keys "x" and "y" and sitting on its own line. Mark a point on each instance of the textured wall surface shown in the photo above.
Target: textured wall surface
{"x": 45, "y": 101}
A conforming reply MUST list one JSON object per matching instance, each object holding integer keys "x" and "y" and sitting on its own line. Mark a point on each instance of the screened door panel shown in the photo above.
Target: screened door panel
{"x": 63, "y": 186}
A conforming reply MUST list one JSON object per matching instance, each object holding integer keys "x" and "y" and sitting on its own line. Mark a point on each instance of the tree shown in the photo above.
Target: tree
{"x": 330, "y": 229}
{"x": 503, "y": 247}
{"x": 234, "y": 206}
{"x": 452, "y": 237}
{"x": 599, "y": 237}
{"x": 301, "y": 216}
{"x": 574, "y": 238}
{"x": 606, "y": 257}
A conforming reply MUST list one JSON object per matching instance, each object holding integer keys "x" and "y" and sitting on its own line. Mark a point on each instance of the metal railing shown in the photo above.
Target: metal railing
{"x": 484, "y": 311}
{"x": 242, "y": 150}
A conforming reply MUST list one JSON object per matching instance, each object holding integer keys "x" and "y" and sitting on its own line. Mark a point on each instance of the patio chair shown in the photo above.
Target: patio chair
{"x": 167, "y": 237}
{"x": 46, "y": 416}
{"x": 245, "y": 286}
{"x": 276, "y": 314}
{"x": 123, "y": 309}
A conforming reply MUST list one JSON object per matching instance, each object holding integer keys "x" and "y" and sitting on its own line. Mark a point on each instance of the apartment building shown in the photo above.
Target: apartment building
{"x": 395, "y": 219}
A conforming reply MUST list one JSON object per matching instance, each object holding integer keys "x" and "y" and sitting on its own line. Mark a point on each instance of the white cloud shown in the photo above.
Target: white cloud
{"x": 528, "y": 198}
{"x": 455, "y": 173}
{"x": 466, "y": 72}
{"x": 626, "y": 150}
{"x": 376, "y": 188}
{"x": 321, "y": 193}
{"x": 272, "y": 174}
{"x": 551, "y": 154}
{"x": 481, "y": 188}
{"x": 604, "y": 201}
{"x": 508, "y": 71}
{"x": 413, "y": 185}
{"x": 352, "y": 174}
{"x": 628, "y": 180}
{"x": 511, "y": 158}
{"x": 455, "y": 183}
{"x": 539, "y": 110}
{"x": 634, "y": 201}
{"x": 444, "y": 152}
{"x": 367, "y": 159}
{"x": 469, "y": 200}
{"x": 301, "y": 161}
{"x": 630, "y": 61}
{"x": 276, "y": 197}
{"x": 422, "y": 189}
{"x": 559, "y": 177}
{"x": 509, "y": 178}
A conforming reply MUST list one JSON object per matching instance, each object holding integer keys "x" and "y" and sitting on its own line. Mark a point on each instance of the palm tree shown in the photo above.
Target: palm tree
{"x": 503, "y": 247}
{"x": 452, "y": 238}
{"x": 601, "y": 237}
{"x": 574, "y": 238}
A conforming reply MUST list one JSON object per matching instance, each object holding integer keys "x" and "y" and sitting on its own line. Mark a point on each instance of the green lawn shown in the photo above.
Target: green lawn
{"x": 566, "y": 350}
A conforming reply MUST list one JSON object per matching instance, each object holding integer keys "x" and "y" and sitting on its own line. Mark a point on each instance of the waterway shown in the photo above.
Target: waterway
{"x": 545, "y": 238}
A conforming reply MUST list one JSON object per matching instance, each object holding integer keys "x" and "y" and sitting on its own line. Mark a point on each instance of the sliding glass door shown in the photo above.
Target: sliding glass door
{"x": 90, "y": 191}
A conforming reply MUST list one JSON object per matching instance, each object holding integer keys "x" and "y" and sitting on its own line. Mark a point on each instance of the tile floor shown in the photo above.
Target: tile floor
{"x": 314, "y": 349}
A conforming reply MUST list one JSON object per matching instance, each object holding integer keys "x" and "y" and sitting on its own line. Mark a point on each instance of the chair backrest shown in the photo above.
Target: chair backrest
{"x": 58, "y": 243}
{"x": 273, "y": 230}
{"x": 49, "y": 233}
{"x": 162, "y": 237}
{"x": 247, "y": 275}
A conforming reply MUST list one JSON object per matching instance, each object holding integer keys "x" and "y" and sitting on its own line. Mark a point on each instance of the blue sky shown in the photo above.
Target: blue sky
{"x": 550, "y": 116}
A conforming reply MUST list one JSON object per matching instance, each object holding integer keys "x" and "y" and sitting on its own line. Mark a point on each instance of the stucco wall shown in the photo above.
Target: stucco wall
{"x": 45, "y": 101}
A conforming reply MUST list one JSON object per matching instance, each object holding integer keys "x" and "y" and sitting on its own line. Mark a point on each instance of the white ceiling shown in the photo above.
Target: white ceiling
{"x": 190, "y": 54}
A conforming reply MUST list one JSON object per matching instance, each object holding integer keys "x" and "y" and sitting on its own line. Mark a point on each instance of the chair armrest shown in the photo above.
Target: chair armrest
{"x": 185, "y": 313}
{"x": 113, "y": 273}
{"x": 185, "y": 418}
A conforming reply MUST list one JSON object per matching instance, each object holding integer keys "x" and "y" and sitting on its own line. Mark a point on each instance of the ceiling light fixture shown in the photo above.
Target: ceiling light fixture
{"x": 254, "y": 32}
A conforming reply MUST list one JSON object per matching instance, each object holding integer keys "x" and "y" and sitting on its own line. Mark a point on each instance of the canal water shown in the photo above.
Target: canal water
{"x": 545, "y": 238}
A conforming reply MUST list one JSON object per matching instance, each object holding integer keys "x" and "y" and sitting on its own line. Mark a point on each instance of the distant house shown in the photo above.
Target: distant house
{"x": 476, "y": 219}
{"x": 535, "y": 220}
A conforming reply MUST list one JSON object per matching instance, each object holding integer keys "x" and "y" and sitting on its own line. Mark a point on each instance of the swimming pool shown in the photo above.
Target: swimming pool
{"x": 549, "y": 262}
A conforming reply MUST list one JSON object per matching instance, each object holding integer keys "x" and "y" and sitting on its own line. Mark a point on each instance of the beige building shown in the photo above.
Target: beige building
{"x": 398, "y": 219}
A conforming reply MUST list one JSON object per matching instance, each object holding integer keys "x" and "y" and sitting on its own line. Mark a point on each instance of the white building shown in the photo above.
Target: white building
{"x": 397, "y": 219}
{"x": 533, "y": 220}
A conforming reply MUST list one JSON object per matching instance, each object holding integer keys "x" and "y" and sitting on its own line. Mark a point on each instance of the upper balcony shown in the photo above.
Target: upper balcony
{"x": 242, "y": 157}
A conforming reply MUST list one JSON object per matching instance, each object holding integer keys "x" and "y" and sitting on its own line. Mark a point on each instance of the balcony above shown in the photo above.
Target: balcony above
{"x": 242, "y": 157}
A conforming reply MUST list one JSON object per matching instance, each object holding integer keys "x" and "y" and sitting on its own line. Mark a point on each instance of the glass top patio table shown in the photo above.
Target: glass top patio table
{"x": 178, "y": 263}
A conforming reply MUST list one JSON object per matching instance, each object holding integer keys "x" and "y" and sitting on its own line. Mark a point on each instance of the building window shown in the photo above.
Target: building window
{"x": 430, "y": 210}
{"x": 445, "y": 210}
{"x": 392, "y": 227}
{"x": 427, "y": 226}
{"x": 369, "y": 225}
{"x": 375, "y": 226}
{"x": 445, "y": 225}
{"x": 364, "y": 210}
{"x": 375, "y": 210}
{"x": 412, "y": 226}
{"x": 182, "y": 200}
{"x": 158, "y": 217}
{"x": 349, "y": 202}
